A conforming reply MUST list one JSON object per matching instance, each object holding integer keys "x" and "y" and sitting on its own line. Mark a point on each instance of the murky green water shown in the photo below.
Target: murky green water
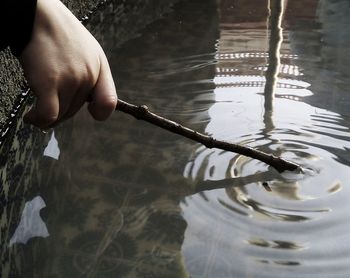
{"x": 126, "y": 199}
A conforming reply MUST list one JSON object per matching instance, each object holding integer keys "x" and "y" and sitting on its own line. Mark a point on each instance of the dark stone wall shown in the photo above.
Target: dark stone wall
{"x": 11, "y": 81}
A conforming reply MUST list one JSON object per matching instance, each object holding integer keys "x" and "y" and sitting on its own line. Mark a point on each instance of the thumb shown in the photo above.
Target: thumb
{"x": 104, "y": 96}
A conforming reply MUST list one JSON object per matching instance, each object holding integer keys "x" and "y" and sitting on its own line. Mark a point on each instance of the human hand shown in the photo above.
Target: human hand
{"x": 64, "y": 65}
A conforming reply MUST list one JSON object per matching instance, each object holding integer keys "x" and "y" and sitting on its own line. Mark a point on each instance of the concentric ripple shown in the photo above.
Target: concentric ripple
{"x": 262, "y": 223}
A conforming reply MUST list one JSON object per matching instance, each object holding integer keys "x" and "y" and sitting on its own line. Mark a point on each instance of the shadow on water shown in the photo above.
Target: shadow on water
{"x": 125, "y": 199}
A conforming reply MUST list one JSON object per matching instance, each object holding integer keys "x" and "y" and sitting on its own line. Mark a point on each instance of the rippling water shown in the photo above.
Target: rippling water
{"x": 126, "y": 199}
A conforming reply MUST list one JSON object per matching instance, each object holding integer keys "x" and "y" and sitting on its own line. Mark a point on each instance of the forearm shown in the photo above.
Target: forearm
{"x": 16, "y": 24}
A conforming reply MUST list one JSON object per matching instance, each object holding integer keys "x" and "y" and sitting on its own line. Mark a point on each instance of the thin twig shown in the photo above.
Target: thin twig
{"x": 142, "y": 113}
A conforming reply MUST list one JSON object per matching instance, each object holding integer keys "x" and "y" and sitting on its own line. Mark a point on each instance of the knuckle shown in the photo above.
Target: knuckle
{"x": 52, "y": 78}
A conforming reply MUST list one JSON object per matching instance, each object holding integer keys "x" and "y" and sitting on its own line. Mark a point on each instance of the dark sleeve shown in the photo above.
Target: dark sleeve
{"x": 16, "y": 24}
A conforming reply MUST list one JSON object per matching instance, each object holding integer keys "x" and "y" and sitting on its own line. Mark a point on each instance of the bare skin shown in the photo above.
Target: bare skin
{"x": 64, "y": 64}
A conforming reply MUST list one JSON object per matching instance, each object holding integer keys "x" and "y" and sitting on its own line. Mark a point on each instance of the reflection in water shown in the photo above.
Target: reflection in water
{"x": 130, "y": 200}
{"x": 52, "y": 150}
{"x": 247, "y": 92}
{"x": 274, "y": 60}
{"x": 31, "y": 225}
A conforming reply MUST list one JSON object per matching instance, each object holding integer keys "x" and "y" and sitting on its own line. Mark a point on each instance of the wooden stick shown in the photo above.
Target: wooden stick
{"x": 142, "y": 113}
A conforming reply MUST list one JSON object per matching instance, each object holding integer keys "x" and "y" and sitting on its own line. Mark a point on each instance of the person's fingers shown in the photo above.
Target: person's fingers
{"x": 79, "y": 100}
{"x": 104, "y": 96}
{"x": 71, "y": 99}
{"x": 45, "y": 112}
